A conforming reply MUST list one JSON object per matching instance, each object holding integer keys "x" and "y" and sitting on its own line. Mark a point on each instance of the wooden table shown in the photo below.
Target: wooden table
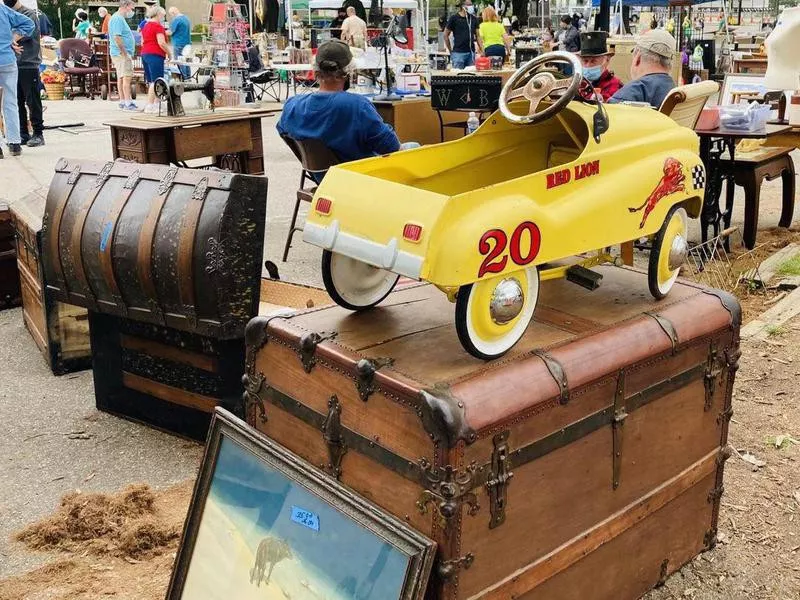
{"x": 415, "y": 120}
{"x": 713, "y": 144}
{"x": 750, "y": 65}
{"x": 232, "y": 136}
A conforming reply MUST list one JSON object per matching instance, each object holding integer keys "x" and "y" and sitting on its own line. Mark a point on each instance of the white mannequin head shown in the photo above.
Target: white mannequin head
{"x": 783, "y": 48}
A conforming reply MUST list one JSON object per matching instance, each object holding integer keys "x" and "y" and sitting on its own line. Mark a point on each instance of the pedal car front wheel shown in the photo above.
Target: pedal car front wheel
{"x": 353, "y": 284}
{"x": 670, "y": 250}
{"x": 493, "y": 314}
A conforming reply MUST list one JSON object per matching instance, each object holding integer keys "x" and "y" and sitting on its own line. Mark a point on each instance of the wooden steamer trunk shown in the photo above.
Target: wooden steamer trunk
{"x": 60, "y": 330}
{"x": 586, "y": 464}
{"x": 168, "y": 262}
{"x": 9, "y": 278}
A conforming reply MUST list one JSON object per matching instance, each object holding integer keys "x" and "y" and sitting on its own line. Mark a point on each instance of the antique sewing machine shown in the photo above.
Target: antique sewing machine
{"x": 171, "y": 92}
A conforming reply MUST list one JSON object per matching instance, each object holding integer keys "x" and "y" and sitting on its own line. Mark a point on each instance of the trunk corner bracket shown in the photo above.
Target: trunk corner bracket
{"x": 308, "y": 347}
{"x": 365, "y": 375}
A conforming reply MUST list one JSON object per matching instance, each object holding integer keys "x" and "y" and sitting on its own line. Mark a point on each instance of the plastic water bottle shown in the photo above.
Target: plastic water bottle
{"x": 472, "y": 123}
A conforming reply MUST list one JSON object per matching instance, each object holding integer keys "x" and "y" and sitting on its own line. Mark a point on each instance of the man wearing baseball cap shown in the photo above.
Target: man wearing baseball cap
{"x": 347, "y": 123}
{"x": 650, "y": 70}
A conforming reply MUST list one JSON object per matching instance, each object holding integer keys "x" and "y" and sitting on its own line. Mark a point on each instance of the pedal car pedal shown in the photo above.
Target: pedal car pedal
{"x": 584, "y": 277}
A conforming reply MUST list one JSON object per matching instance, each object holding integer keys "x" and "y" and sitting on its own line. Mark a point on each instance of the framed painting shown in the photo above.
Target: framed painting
{"x": 264, "y": 524}
{"x": 741, "y": 87}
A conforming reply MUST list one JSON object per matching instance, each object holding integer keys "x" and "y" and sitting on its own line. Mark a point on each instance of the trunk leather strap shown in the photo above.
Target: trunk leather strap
{"x": 107, "y": 239}
{"x": 77, "y": 232}
{"x": 54, "y": 229}
{"x": 145, "y": 255}
{"x": 186, "y": 242}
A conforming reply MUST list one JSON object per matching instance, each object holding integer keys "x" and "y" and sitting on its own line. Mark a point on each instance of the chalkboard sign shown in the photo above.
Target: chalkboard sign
{"x": 465, "y": 92}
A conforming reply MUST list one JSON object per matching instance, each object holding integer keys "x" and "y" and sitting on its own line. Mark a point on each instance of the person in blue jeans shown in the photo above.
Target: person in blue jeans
{"x": 13, "y": 25}
{"x": 463, "y": 26}
{"x": 348, "y": 123}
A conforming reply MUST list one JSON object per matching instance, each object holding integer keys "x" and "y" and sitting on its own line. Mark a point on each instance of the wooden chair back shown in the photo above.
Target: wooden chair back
{"x": 685, "y": 103}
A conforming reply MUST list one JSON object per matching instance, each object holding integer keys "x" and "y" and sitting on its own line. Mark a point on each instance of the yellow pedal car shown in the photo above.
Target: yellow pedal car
{"x": 482, "y": 217}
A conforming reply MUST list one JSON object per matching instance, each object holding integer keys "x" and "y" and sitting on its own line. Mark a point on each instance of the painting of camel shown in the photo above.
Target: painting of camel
{"x": 259, "y": 531}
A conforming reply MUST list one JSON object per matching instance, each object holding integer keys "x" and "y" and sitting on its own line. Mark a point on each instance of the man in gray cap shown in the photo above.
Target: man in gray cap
{"x": 347, "y": 123}
{"x": 650, "y": 70}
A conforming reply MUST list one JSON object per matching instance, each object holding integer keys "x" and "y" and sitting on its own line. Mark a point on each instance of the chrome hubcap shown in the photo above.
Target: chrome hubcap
{"x": 507, "y": 301}
{"x": 678, "y": 252}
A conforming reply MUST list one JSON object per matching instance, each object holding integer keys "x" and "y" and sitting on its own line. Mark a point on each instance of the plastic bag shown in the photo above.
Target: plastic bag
{"x": 750, "y": 117}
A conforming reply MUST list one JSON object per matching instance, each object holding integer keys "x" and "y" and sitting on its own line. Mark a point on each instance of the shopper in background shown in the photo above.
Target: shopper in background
{"x": 28, "y": 61}
{"x": 650, "y": 70}
{"x": 463, "y": 25}
{"x": 105, "y": 18}
{"x": 180, "y": 30}
{"x": 354, "y": 29}
{"x": 347, "y": 123}
{"x": 493, "y": 34}
{"x": 595, "y": 58}
{"x": 155, "y": 50}
{"x": 570, "y": 40}
{"x": 81, "y": 25}
{"x": 13, "y": 25}
{"x": 45, "y": 26}
{"x": 122, "y": 47}
{"x": 336, "y": 24}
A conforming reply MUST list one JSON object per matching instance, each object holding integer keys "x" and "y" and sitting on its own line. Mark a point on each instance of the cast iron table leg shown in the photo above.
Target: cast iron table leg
{"x": 711, "y": 150}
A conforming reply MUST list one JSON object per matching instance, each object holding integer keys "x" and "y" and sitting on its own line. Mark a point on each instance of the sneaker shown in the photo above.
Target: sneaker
{"x": 37, "y": 139}
{"x": 1, "y": 153}
{"x": 121, "y": 106}
{"x": 131, "y": 106}
{"x": 15, "y": 149}
{"x": 24, "y": 137}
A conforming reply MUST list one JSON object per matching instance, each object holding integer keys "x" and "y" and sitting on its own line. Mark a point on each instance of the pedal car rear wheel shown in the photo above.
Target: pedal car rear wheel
{"x": 670, "y": 251}
{"x": 353, "y": 284}
{"x": 493, "y": 314}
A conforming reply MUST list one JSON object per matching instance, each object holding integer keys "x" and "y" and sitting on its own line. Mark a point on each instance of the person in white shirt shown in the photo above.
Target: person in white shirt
{"x": 354, "y": 29}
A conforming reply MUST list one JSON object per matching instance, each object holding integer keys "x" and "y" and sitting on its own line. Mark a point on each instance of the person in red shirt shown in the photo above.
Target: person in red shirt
{"x": 595, "y": 57}
{"x": 155, "y": 49}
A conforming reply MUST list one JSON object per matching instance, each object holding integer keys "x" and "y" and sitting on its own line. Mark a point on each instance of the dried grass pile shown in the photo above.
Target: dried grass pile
{"x": 125, "y": 524}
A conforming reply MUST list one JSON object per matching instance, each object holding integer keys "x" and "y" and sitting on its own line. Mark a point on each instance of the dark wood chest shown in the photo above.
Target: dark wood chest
{"x": 60, "y": 330}
{"x": 9, "y": 277}
{"x": 587, "y": 463}
{"x": 168, "y": 263}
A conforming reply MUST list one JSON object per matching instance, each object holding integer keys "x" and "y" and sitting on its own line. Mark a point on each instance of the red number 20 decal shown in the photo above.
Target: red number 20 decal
{"x": 496, "y": 258}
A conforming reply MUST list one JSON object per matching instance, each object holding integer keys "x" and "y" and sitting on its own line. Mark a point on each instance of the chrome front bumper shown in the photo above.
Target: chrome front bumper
{"x": 378, "y": 255}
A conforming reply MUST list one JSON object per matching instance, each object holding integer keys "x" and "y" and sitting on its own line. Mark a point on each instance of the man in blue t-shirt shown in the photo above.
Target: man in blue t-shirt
{"x": 180, "y": 31}
{"x": 347, "y": 123}
{"x": 650, "y": 70}
{"x": 122, "y": 48}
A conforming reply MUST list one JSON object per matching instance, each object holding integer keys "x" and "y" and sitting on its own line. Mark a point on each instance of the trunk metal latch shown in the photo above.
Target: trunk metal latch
{"x": 499, "y": 478}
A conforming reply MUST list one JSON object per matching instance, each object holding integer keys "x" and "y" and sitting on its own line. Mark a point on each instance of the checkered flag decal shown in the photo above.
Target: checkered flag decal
{"x": 698, "y": 177}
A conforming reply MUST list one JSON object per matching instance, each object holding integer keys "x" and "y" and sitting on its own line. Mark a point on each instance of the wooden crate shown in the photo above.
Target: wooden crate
{"x": 587, "y": 463}
{"x": 60, "y": 330}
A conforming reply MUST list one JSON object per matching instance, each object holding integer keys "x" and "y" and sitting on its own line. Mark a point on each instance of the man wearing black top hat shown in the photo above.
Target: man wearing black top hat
{"x": 595, "y": 58}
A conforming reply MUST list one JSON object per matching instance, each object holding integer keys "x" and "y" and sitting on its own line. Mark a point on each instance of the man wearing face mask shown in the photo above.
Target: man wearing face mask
{"x": 463, "y": 26}
{"x": 347, "y": 123}
{"x": 650, "y": 70}
{"x": 595, "y": 58}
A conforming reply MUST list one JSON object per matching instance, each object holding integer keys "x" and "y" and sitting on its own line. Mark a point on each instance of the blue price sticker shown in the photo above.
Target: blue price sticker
{"x": 108, "y": 228}
{"x": 305, "y": 517}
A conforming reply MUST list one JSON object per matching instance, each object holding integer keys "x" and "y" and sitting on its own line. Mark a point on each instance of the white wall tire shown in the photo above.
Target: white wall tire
{"x": 478, "y": 330}
{"x": 353, "y": 284}
{"x": 661, "y": 275}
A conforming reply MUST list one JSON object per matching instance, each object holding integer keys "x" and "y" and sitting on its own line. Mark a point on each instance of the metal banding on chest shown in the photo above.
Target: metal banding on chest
{"x": 558, "y": 374}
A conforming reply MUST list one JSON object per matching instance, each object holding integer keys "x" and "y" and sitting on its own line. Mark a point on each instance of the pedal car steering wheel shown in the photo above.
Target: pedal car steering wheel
{"x": 534, "y": 84}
